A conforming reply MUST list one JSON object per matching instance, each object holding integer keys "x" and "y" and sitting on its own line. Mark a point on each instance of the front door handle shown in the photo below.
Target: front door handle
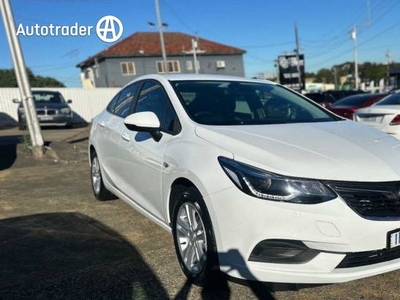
{"x": 126, "y": 137}
{"x": 102, "y": 124}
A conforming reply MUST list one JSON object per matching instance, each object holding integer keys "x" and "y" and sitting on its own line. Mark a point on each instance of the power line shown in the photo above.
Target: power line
{"x": 180, "y": 18}
{"x": 380, "y": 33}
{"x": 266, "y": 45}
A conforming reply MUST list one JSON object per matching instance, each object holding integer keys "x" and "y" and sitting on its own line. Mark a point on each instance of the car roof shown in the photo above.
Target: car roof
{"x": 44, "y": 91}
{"x": 182, "y": 77}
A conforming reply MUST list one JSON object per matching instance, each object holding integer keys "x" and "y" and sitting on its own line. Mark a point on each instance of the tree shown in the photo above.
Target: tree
{"x": 325, "y": 76}
{"x": 372, "y": 71}
{"x": 8, "y": 79}
{"x": 366, "y": 71}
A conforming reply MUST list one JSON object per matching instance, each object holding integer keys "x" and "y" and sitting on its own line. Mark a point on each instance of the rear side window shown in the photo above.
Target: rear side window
{"x": 393, "y": 99}
{"x": 121, "y": 104}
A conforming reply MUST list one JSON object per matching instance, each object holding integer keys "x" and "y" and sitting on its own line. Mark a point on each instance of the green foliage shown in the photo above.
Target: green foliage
{"x": 26, "y": 144}
{"x": 372, "y": 71}
{"x": 366, "y": 71}
{"x": 325, "y": 75}
{"x": 8, "y": 79}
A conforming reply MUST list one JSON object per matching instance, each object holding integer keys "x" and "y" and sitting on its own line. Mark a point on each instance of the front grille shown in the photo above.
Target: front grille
{"x": 371, "y": 200}
{"x": 46, "y": 112}
{"x": 51, "y": 112}
{"x": 358, "y": 259}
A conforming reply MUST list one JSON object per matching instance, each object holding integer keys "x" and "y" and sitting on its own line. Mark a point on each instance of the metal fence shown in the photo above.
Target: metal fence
{"x": 86, "y": 103}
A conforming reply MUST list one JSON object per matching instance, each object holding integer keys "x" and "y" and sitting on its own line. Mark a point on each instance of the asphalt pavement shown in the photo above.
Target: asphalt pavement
{"x": 58, "y": 242}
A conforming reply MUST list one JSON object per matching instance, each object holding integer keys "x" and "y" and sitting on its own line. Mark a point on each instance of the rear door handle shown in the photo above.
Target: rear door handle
{"x": 126, "y": 137}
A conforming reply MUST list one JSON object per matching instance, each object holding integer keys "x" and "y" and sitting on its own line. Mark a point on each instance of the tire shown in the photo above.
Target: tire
{"x": 99, "y": 190}
{"x": 20, "y": 125}
{"x": 194, "y": 237}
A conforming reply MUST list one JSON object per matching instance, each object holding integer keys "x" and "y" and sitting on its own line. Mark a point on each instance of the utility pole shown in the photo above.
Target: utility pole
{"x": 353, "y": 34}
{"x": 354, "y": 38}
{"x": 388, "y": 61}
{"x": 297, "y": 55}
{"x": 335, "y": 76}
{"x": 160, "y": 28}
{"x": 22, "y": 79}
{"x": 194, "y": 52}
{"x": 194, "y": 49}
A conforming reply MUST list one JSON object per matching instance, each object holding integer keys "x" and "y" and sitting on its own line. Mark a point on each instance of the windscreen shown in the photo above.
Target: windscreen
{"x": 48, "y": 97}
{"x": 245, "y": 103}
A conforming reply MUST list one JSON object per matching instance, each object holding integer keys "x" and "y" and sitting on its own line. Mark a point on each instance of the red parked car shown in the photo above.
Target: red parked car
{"x": 348, "y": 105}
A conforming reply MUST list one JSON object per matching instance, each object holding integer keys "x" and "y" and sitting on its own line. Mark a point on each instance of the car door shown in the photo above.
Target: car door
{"x": 110, "y": 127}
{"x": 141, "y": 156}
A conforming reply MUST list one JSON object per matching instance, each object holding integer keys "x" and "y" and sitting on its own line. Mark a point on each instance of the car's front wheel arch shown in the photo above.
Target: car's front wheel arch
{"x": 187, "y": 200}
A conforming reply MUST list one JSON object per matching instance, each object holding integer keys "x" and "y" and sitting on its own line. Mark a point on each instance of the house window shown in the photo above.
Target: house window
{"x": 173, "y": 66}
{"x": 128, "y": 68}
{"x": 189, "y": 65}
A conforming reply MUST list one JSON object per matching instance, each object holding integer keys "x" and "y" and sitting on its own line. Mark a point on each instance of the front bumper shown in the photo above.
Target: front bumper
{"x": 52, "y": 120}
{"x": 332, "y": 228}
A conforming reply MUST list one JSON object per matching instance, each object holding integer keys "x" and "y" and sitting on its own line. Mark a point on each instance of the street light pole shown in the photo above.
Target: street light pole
{"x": 160, "y": 28}
{"x": 22, "y": 79}
{"x": 353, "y": 34}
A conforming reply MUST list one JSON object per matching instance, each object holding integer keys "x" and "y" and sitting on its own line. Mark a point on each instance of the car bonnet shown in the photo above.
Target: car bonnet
{"x": 342, "y": 150}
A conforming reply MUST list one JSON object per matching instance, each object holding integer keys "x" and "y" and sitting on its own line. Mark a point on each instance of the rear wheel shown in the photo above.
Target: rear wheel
{"x": 99, "y": 190}
{"x": 194, "y": 237}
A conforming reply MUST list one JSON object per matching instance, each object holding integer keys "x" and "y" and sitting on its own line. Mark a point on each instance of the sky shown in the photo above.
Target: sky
{"x": 263, "y": 28}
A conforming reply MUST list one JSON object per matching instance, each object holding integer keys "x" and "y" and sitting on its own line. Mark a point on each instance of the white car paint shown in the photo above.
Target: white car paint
{"x": 380, "y": 118}
{"x": 381, "y": 115}
{"x": 142, "y": 171}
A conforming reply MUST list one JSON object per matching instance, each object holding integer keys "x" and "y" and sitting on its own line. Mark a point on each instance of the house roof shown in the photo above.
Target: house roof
{"x": 142, "y": 44}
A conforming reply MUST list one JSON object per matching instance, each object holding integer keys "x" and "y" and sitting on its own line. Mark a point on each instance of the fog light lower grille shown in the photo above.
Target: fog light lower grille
{"x": 282, "y": 252}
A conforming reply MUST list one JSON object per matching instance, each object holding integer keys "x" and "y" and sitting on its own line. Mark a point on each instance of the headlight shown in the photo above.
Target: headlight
{"x": 269, "y": 186}
{"x": 65, "y": 110}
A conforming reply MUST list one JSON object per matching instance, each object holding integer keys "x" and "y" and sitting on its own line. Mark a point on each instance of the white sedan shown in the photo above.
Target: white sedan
{"x": 383, "y": 115}
{"x": 251, "y": 179}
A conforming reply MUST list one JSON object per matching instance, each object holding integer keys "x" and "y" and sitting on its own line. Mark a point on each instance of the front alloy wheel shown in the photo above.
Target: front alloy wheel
{"x": 193, "y": 236}
{"x": 192, "y": 239}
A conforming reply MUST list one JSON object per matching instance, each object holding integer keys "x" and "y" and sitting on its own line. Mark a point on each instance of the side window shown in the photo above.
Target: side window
{"x": 123, "y": 105}
{"x": 111, "y": 105}
{"x": 153, "y": 98}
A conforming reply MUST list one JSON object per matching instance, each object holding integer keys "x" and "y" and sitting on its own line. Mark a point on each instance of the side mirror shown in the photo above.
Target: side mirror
{"x": 69, "y": 101}
{"x": 16, "y": 101}
{"x": 146, "y": 121}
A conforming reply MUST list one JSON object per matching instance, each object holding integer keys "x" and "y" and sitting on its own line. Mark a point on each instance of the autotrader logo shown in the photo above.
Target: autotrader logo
{"x": 109, "y": 29}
